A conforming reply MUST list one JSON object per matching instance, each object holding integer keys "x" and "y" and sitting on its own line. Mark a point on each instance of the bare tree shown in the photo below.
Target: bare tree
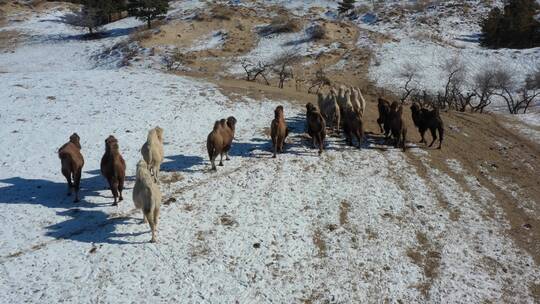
{"x": 409, "y": 72}
{"x": 531, "y": 90}
{"x": 320, "y": 80}
{"x": 484, "y": 86}
{"x": 518, "y": 97}
{"x": 299, "y": 78}
{"x": 456, "y": 73}
{"x": 462, "y": 100}
{"x": 255, "y": 70}
{"x": 283, "y": 65}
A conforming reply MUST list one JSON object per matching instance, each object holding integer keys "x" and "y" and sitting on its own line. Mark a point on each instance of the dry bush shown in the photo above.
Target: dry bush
{"x": 35, "y": 2}
{"x": 316, "y": 32}
{"x": 361, "y": 9}
{"x": 425, "y": 19}
{"x": 453, "y": 95}
{"x": 429, "y": 37}
{"x": 125, "y": 51}
{"x": 283, "y": 65}
{"x": 222, "y": 12}
{"x": 89, "y": 18}
{"x": 282, "y": 24}
{"x": 140, "y": 34}
{"x": 436, "y": 38}
{"x": 320, "y": 80}
{"x": 409, "y": 73}
{"x": 484, "y": 86}
{"x": 419, "y": 5}
{"x": 174, "y": 60}
{"x": 518, "y": 96}
{"x": 254, "y": 70}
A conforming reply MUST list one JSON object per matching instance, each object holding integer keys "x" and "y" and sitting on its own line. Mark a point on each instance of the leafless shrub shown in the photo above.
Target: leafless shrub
{"x": 462, "y": 99}
{"x": 320, "y": 80}
{"x": 409, "y": 72}
{"x": 255, "y": 70}
{"x": 89, "y": 18}
{"x": 518, "y": 97}
{"x": 283, "y": 65}
{"x": 128, "y": 51}
{"x": 222, "y": 11}
{"x": 484, "y": 87}
{"x": 361, "y": 9}
{"x": 316, "y": 32}
{"x": 436, "y": 38}
{"x": 299, "y": 78}
{"x": 174, "y": 60}
{"x": 140, "y": 34}
{"x": 419, "y": 5}
{"x": 424, "y": 19}
{"x": 281, "y": 24}
{"x": 456, "y": 73}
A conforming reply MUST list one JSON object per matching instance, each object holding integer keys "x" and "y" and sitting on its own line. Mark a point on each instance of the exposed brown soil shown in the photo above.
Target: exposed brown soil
{"x": 9, "y": 40}
{"x": 428, "y": 258}
{"x": 344, "y": 213}
{"x": 319, "y": 242}
{"x": 239, "y": 26}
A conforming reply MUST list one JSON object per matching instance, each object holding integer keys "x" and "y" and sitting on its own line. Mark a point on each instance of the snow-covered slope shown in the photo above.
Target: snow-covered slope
{"x": 347, "y": 227}
{"x": 429, "y": 37}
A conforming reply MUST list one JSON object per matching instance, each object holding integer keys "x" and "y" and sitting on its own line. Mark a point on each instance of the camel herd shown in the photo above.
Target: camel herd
{"x": 339, "y": 110}
{"x": 146, "y": 193}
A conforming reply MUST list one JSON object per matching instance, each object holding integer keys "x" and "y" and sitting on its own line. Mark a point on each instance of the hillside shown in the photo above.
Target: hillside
{"x": 370, "y": 225}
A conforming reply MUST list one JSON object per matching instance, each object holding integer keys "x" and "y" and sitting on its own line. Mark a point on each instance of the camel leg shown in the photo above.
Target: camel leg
{"x": 274, "y": 147}
{"x": 120, "y": 188}
{"x": 360, "y": 137}
{"x": 67, "y": 175}
{"x": 220, "y": 159}
{"x": 213, "y": 161}
{"x": 114, "y": 189}
{"x": 145, "y": 220}
{"x": 77, "y": 183}
{"x": 156, "y": 217}
{"x": 434, "y": 137}
{"x": 156, "y": 174}
{"x": 441, "y": 132}
{"x": 423, "y": 139}
{"x": 152, "y": 224}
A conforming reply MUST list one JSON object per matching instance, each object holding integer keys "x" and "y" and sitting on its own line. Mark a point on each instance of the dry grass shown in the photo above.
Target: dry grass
{"x": 319, "y": 243}
{"x": 222, "y": 12}
{"x": 9, "y": 39}
{"x": 140, "y": 34}
{"x": 282, "y": 24}
{"x": 361, "y": 9}
{"x": 344, "y": 213}
{"x": 419, "y": 5}
{"x": 436, "y": 38}
{"x": 316, "y": 32}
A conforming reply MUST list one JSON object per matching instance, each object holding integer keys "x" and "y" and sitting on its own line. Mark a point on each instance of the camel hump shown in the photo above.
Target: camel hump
{"x": 217, "y": 124}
